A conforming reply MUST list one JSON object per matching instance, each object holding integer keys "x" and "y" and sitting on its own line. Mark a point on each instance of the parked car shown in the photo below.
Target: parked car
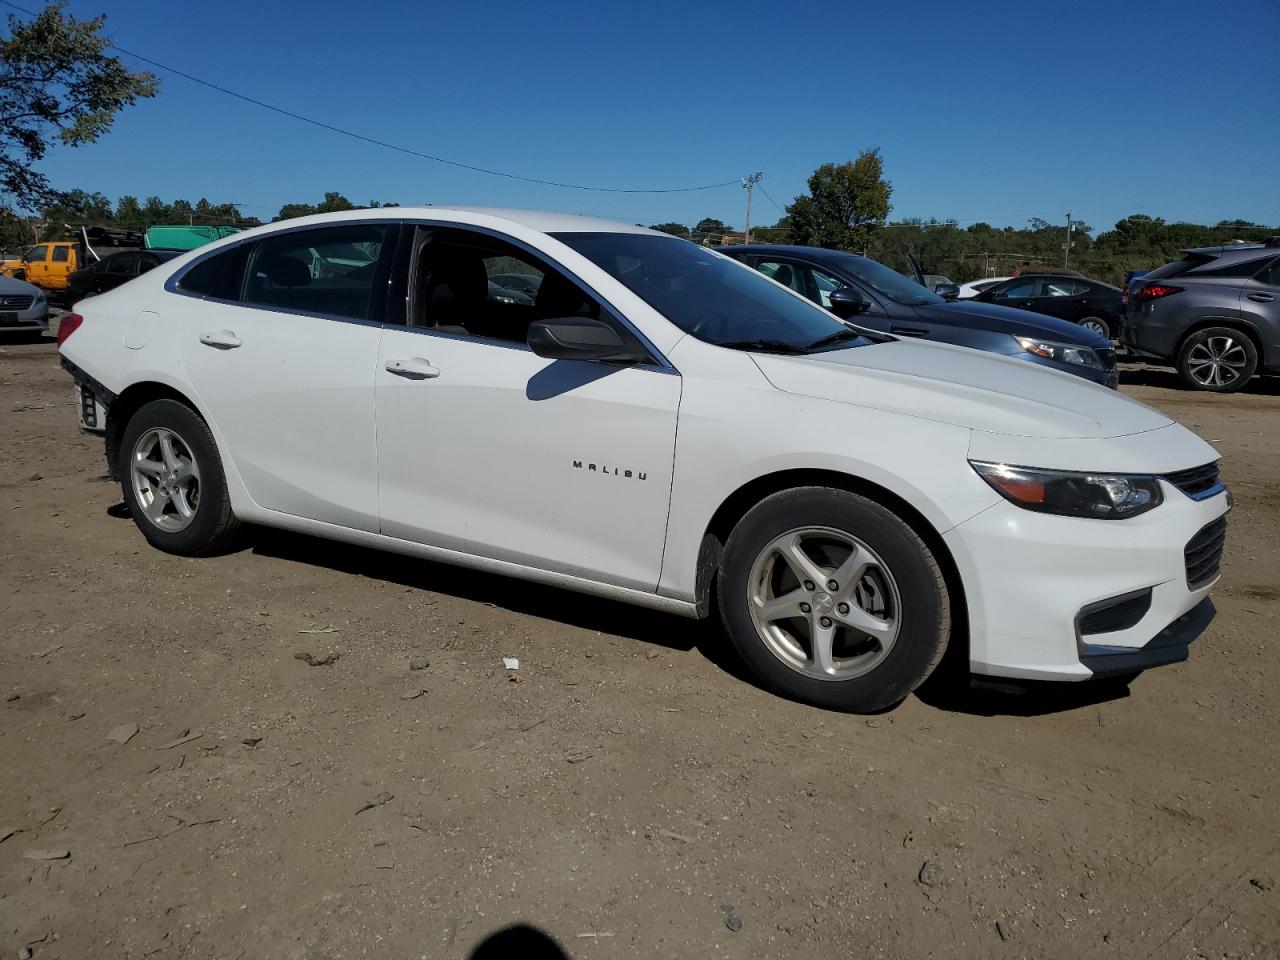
{"x": 1214, "y": 313}
{"x": 526, "y": 283}
{"x": 1092, "y": 304}
{"x": 871, "y": 295}
{"x": 663, "y": 426}
{"x": 975, "y": 287}
{"x": 1042, "y": 271}
{"x": 23, "y": 306}
{"x": 109, "y": 272}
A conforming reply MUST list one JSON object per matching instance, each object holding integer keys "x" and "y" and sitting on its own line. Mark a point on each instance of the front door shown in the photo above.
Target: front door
{"x": 489, "y": 450}
{"x": 281, "y": 351}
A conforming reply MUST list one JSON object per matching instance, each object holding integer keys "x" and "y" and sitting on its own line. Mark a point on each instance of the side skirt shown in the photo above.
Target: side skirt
{"x": 377, "y": 541}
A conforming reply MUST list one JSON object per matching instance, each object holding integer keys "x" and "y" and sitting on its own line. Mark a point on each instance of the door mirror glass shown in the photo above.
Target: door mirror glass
{"x": 577, "y": 338}
{"x": 847, "y": 302}
{"x": 948, "y": 291}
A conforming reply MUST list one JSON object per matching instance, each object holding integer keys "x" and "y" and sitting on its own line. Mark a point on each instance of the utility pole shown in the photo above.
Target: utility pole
{"x": 748, "y": 184}
{"x": 1066, "y": 256}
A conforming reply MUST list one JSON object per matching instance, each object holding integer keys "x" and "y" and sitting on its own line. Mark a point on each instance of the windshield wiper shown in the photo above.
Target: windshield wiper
{"x": 837, "y": 337}
{"x": 764, "y": 346}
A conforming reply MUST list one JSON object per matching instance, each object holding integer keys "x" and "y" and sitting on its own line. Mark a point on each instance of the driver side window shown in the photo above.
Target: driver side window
{"x": 472, "y": 284}
{"x": 1020, "y": 290}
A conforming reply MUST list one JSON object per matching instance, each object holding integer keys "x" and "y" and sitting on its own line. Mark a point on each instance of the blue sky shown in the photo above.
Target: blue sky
{"x": 998, "y": 111}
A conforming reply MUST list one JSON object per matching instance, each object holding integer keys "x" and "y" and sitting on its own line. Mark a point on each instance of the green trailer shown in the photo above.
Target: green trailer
{"x": 185, "y": 237}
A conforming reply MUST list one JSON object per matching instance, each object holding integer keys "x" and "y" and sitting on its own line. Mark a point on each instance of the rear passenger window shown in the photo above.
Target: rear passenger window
{"x": 60, "y": 254}
{"x": 201, "y": 278}
{"x": 1240, "y": 268}
{"x": 1271, "y": 275}
{"x": 326, "y": 271}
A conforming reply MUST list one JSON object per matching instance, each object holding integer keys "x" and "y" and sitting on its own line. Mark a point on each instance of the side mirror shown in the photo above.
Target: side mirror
{"x": 948, "y": 291}
{"x": 577, "y": 338}
{"x": 847, "y": 302}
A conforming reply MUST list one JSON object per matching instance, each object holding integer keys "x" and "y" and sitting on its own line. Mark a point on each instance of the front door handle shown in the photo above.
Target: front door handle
{"x": 415, "y": 368}
{"x": 1261, "y": 297}
{"x": 221, "y": 340}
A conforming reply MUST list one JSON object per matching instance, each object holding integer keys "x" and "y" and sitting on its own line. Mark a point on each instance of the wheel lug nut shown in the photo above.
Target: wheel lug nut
{"x": 804, "y": 608}
{"x": 832, "y": 585}
{"x": 843, "y": 607}
{"x": 808, "y": 585}
{"x": 826, "y": 621}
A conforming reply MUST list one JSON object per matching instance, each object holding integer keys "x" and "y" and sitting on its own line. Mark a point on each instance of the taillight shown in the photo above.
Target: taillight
{"x": 1154, "y": 291}
{"x": 68, "y": 325}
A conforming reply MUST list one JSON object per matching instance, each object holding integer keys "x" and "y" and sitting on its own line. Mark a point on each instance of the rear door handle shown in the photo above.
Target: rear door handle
{"x": 415, "y": 368}
{"x": 1261, "y": 297}
{"x": 909, "y": 331}
{"x": 221, "y": 339}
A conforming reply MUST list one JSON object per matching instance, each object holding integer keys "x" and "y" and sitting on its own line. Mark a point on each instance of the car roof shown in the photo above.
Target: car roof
{"x": 1272, "y": 243}
{"x": 541, "y": 220}
{"x": 791, "y": 248}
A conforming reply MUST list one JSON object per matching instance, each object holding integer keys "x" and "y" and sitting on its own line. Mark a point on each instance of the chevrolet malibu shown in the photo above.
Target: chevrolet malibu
{"x": 663, "y": 426}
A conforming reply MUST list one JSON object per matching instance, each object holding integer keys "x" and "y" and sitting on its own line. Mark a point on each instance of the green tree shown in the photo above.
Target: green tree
{"x": 675, "y": 229}
{"x": 332, "y": 203}
{"x": 57, "y": 82}
{"x": 846, "y": 205}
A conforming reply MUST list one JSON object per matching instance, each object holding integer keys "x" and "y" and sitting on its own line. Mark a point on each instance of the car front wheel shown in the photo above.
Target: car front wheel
{"x": 832, "y": 599}
{"x": 172, "y": 480}
{"x": 1219, "y": 359}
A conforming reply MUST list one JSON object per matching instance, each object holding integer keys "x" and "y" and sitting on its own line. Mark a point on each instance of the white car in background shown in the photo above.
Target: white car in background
{"x": 975, "y": 287}
{"x": 662, "y": 426}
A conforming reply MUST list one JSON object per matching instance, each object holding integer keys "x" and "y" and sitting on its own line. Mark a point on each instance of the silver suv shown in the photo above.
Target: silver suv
{"x": 1214, "y": 314}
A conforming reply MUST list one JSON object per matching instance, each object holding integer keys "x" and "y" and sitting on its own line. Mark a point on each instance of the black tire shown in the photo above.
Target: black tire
{"x": 1211, "y": 340}
{"x": 1107, "y": 329}
{"x": 213, "y": 527}
{"x": 924, "y": 618}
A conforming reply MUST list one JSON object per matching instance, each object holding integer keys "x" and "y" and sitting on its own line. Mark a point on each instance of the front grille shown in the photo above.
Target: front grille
{"x": 1196, "y": 480}
{"x": 17, "y": 302}
{"x": 1108, "y": 357}
{"x": 1112, "y": 615}
{"x": 1203, "y": 553}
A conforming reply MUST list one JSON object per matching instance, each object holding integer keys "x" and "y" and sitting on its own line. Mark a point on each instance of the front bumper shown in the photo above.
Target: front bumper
{"x": 1029, "y": 576}
{"x": 35, "y": 317}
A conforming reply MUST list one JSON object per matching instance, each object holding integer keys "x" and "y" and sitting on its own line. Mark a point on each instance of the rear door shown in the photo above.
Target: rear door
{"x": 280, "y": 341}
{"x": 1260, "y": 306}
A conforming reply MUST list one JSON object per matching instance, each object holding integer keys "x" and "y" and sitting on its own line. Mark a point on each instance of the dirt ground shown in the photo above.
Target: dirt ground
{"x": 632, "y": 796}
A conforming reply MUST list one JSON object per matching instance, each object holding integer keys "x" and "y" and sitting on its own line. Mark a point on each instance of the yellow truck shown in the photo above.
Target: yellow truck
{"x": 47, "y": 265}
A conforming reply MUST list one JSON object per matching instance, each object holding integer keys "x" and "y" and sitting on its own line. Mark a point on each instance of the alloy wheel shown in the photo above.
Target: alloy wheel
{"x": 824, "y": 603}
{"x": 1097, "y": 326}
{"x": 166, "y": 479}
{"x": 1217, "y": 361}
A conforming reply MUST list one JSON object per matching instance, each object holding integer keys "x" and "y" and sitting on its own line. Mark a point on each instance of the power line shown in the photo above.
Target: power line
{"x": 383, "y": 143}
{"x": 771, "y": 200}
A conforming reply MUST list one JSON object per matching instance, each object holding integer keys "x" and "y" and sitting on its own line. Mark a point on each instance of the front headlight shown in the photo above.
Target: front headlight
{"x": 1062, "y": 352}
{"x": 1098, "y": 495}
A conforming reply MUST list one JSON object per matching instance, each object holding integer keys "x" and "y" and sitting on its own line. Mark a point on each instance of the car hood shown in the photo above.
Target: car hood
{"x": 967, "y": 388}
{"x": 1023, "y": 323}
{"x": 11, "y": 287}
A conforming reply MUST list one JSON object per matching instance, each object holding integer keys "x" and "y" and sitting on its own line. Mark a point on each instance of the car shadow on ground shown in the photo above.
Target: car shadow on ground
{"x": 1168, "y": 379}
{"x": 950, "y": 689}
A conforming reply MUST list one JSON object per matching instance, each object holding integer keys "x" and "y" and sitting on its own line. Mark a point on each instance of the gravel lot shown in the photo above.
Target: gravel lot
{"x": 631, "y": 796}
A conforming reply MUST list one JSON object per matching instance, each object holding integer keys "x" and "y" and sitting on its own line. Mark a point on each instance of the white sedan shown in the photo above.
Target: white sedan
{"x": 662, "y": 426}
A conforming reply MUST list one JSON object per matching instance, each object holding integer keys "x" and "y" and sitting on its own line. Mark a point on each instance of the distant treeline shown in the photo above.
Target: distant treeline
{"x": 1138, "y": 242}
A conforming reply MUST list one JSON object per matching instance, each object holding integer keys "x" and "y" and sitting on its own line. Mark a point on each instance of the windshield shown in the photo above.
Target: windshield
{"x": 888, "y": 283}
{"x": 712, "y": 297}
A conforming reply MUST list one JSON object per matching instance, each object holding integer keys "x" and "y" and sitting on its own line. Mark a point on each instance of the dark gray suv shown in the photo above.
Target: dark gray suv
{"x": 1214, "y": 314}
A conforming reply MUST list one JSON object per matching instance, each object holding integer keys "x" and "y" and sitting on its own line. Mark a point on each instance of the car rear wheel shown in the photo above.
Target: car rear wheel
{"x": 1097, "y": 325}
{"x": 1219, "y": 359}
{"x": 172, "y": 480}
{"x": 832, "y": 599}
